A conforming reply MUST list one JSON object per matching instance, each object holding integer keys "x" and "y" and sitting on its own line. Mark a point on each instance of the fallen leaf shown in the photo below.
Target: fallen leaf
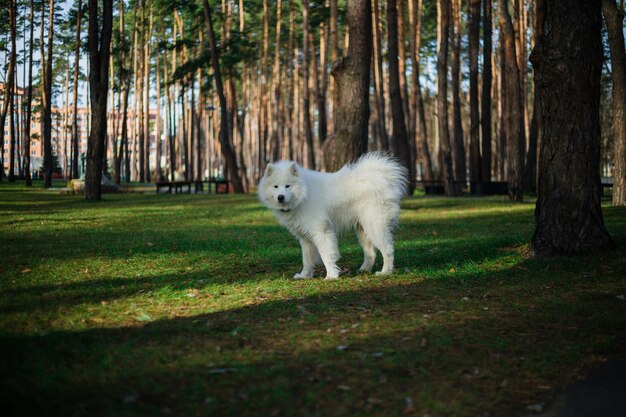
{"x": 27, "y": 270}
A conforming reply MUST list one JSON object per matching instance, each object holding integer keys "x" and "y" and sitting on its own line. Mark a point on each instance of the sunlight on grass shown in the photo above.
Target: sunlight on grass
{"x": 185, "y": 305}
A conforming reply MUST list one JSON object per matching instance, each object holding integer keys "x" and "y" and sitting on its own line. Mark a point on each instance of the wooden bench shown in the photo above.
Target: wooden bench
{"x": 178, "y": 187}
{"x": 173, "y": 187}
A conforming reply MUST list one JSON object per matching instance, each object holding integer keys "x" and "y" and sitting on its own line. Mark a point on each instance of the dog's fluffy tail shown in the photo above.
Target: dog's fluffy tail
{"x": 378, "y": 173}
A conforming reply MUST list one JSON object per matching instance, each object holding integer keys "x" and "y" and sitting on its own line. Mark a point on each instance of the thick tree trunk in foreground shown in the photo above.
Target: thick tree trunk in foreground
{"x": 225, "y": 143}
{"x": 399, "y": 139}
{"x": 614, "y": 18}
{"x": 352, "y": 77}
{"x": 567, "y": 60}
{"x": 99, "y": 41}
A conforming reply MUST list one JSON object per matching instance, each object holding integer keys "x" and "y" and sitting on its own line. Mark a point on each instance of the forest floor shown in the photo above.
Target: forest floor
{"x": 183, "y": 305}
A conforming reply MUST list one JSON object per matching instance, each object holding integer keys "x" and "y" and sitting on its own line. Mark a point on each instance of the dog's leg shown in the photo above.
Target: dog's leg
{"x": 369, "y": 252}
{"x": 382, "y": 238}
{"x": 310, "y": 257}
{"x": 326, "y": 242}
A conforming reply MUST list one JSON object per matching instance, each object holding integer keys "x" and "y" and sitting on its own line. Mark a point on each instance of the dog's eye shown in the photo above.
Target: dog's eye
{"x": 287, "y": 186}
{"x": 276, "y": 186}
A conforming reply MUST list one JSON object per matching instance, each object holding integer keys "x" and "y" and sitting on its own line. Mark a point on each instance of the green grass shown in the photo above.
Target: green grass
{"x": 182, "y": 305}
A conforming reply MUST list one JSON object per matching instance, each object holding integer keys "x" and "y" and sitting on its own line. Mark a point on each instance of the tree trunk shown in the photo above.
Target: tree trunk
{"x": 306, "y": 96}
{"x": 379, "y": 89}
{"x": 533, "y": 134}
{"x": 567, "y": 60}
{"x": 399, "y": 139}
{"x": 352, "y": 77}
{"x": 275, "y": 141}
{"x": 418, "y": 129}
{"x": 485, "y": 103}
{"x": 47, "y": 104}
{"x": 8, "y": 86}
{"x": 227, "y": 150}
{"x": 29, "y": 99}
{"x": 99, "y": 51}
{"x": 513, "y": 115}
{"x": 474, "y": 133}
{"x": 458, "y": 147}
{"x": 445, "y": 152}
{"x": 75, "y": 137}
{"x": 614, "y": 18}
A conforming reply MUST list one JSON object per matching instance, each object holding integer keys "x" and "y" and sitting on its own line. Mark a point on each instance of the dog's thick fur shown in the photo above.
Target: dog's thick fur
{"x": 316, "y": 206}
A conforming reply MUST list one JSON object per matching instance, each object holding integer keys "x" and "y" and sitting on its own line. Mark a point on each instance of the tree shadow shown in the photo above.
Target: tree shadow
{"x": 447, "y": 344}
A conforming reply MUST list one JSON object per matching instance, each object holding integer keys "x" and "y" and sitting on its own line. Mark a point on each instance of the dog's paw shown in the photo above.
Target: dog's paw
{"x": 383, "y": 272}
{"x": 331, "y": 278}
{"x": 302, "y": 276}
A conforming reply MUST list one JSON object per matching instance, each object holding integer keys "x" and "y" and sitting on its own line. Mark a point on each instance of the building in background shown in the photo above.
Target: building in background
{"x": 62, "y": 119}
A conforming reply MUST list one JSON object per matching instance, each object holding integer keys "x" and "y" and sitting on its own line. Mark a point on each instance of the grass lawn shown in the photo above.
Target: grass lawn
{"x": 183, "y": 305}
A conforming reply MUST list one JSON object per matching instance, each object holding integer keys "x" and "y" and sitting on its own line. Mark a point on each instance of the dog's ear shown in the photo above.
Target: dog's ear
{"x": 269, "y": 169}
{"x": 293, "y": 169}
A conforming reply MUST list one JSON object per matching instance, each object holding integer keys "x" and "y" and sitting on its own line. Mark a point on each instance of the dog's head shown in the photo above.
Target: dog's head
{"x": 281, "y": 187}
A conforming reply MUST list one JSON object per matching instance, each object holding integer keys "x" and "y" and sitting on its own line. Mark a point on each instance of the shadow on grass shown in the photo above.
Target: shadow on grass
{"x": 449, "y": 345}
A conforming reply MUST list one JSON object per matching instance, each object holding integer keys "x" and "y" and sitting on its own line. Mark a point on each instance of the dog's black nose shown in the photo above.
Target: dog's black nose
{"x": 281, "y": 198}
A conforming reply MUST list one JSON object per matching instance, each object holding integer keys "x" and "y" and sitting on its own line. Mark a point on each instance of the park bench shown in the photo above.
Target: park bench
{"x": 173, "y": 187}
{"x": 178, "y": 187}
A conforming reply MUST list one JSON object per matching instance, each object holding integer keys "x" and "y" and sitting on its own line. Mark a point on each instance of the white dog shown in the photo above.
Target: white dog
{"x": 316, "y": 206}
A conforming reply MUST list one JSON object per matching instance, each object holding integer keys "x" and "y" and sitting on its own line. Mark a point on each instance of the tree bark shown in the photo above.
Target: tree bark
{"x": 382, "y": 140}
{"x": 513, "y": 115}
{"x": 485, "y": 103}
{"x": 47, "y": 104}
{"x": 474, "y": 133}
{"x": 306, "y": 95}
{"x": 418, "y": 130}
{"x": 29, "y": 99}
{"x": 399, "y": 138}
{"x": 10, "y": 79}
{"x": 352, "y": 77}
{"x": 75, "y": 138}
{"x": 614, "y": 18}
{"x": 225, "y": 143}
{"x": 99, "y": 52}
{"x": 567, "y": 61}
{"x": 445, "y": 151}
{"x": 533, "y": 134}
{"x": 458, "y": 146}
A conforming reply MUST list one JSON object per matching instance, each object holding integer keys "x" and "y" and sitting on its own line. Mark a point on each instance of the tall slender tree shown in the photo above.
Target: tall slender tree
{"x": 75, "y": 136}
{"x": 29, "y": 99}
{"x": 47, "y": 101}
{"x": 567, "y": 61}
{"x": 10, "y": 79}
{"x": 485, "y": 102}
{"x": 513, "y": 110}
{"x": 225, "y": 142}
{"x": 445, "y": 148}
{"x": 458, "y": 141}
{"x": 399, "y": 138}
{"x": 614, "y": 18}
{"x": 474, "y": 132}
{"x": 418, "y": 130}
